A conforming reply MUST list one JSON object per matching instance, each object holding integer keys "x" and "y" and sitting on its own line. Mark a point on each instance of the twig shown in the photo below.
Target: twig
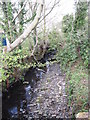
{"x": 55, "y": 3}
{"x": 19, "y": 11}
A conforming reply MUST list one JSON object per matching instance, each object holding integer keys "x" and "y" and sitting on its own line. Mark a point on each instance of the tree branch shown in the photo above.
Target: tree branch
{"x": 28, "y": 30}
{"x": 55, "y": 3}
{"x": 19, "y": 11}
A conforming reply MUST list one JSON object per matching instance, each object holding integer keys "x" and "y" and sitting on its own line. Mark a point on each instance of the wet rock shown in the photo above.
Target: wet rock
{"x": 57, "y": 74}
{"x": 31, "y": 105}
{"x": 44, "y": 114}
{"x": 36, "y": 111}
{"x": 25, "y": 82}
{"x": 53, "y": 116}
{"x": 40, "y": 112}
{"x": 57, "y": 117}
{"x": 21, "y": 109}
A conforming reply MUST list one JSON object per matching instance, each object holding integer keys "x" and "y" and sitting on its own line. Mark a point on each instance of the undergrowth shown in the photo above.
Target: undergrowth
{"x": 72, "y": 53}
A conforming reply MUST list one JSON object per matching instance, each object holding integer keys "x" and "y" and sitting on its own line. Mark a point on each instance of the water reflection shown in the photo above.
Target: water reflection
{"x": 17, "y": 102}
{"x": 13, "y": 112}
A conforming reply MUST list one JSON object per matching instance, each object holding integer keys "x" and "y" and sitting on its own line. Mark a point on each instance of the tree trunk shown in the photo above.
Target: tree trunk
{"x": 28, "y": 30}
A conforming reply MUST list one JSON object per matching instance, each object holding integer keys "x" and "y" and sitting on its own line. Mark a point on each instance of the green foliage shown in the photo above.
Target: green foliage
{"x": 67, "y": 55}
{"x": 72, "y": 46}
{"x": 54, "y": 39}
{"x": 81, "y": 13}
{"x": 76, "y": 38}
{"x": 9, "y": 27}
{"x": 75, "y": 49}
{"x": 21, "y": 18}
{"x": 78, "y": 88}
{"x": 13, "y": 65}
{"x": 15, "y": 62}
{"x": 67, "y": 23}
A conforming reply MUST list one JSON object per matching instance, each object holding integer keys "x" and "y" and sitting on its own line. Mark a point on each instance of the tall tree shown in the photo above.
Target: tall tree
{"x": 28, "y": 30}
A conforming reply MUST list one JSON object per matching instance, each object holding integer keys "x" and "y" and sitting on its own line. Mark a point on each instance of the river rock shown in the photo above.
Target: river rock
{"x": 50, "y": 97}
{"x": 25, "y": 82}
{"x": 82, "y": 115}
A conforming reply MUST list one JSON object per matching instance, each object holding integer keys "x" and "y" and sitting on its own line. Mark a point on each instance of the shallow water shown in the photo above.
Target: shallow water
{"x": 15, "y": 103}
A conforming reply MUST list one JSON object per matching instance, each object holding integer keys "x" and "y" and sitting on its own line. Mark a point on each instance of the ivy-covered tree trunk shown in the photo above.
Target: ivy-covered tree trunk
{"x": 9, "y": 27}
{"x": 6, "y": 27}
{"x": 28, "y": 30}
{"x": 21, "y": 20}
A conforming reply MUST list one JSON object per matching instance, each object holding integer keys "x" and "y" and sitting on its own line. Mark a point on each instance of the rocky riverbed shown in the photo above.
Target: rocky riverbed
{"x": 41, "y": 96}
{"x": 51, "y": 99}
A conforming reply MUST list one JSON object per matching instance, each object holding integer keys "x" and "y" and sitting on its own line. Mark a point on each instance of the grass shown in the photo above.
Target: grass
{"x": 77, "y": 87}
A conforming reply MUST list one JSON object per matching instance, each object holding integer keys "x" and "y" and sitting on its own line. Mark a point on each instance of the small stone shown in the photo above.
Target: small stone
{"x": 57, "y": 74}
{"x": 36, "y": 111}
{"x": 21, "y": 109}
{"x": 53, "y": 115}
{"x": 82, "y": 115}
{"x": 30, "y": 118}
{"x": 25, "y": 82}
{"x": 57, "y": 100}
{"x": 40, "y": 95}
{"x": 44, "y": 114}
{"x": 40, "y": 113}
{"x": 64, "y": 84}
{"x": 53, "y": 100}
{"x": 31, "y": 105}
{"x": 42, "y": 92}
{"x": 35, "y": 90}
{"x": 57, "y": 117}
{"x": 64, "y": 95}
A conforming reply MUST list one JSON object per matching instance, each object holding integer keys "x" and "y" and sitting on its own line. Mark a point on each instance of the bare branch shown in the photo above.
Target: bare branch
{"x": 19, "y": 11}
{"x": 55, "y": 3}
{"x": 2, "y": 23}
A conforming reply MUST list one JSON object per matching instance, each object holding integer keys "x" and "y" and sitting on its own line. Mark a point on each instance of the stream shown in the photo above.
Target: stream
{"x": 40, "y": 96}
{"x": 15, "y": 104}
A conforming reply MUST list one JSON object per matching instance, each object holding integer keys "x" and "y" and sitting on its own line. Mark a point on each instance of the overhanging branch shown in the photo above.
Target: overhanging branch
{"x": 28, "y": 30}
